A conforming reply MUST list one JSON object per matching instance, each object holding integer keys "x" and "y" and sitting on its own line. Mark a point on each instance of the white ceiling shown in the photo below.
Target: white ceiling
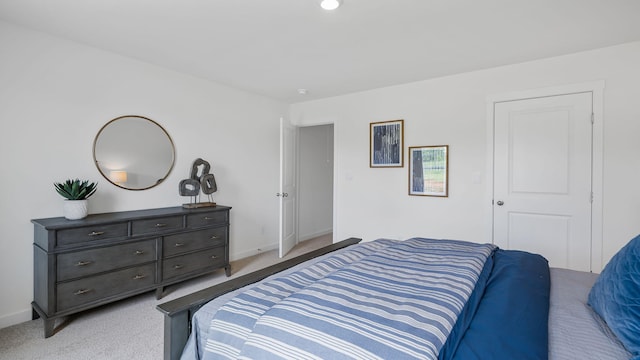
{"x": 274, "y": 47}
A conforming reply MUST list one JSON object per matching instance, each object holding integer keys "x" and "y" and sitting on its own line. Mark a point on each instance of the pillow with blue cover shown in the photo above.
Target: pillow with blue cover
{"x": 615, "y": 296}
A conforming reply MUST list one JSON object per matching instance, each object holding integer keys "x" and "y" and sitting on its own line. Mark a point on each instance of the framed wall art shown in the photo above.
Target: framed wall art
{"x": 429, "y": 170}
{"x": 386, "y": 144}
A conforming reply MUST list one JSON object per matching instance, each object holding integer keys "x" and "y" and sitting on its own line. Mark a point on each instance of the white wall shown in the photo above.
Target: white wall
{"x": 373, "y": 203}
{"x": 55, "y": 96}
{"x": 315, "y": 181}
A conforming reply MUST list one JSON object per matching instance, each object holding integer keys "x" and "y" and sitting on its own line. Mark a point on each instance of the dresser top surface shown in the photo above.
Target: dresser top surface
{"x": 61, "y": 222}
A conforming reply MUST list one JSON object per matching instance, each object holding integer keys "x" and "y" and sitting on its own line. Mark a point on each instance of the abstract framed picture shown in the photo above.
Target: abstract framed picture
{"x": 429, "y": 170}
{"x": 386, "y": 144}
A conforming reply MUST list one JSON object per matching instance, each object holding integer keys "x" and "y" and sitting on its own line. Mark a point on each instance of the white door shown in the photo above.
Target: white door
{"x": 287, "y": 193}
{"x": 542, "y": 178}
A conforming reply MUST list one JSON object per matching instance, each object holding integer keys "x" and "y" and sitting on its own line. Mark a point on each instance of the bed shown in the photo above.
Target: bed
{"x": 418, "y": 298}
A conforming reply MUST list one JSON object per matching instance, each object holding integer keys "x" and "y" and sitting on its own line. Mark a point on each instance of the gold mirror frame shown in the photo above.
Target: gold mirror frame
{"x": 133, "y": 152}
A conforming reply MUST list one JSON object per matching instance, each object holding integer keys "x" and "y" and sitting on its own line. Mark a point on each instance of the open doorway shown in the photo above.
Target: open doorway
{"x": 315, "y": 185}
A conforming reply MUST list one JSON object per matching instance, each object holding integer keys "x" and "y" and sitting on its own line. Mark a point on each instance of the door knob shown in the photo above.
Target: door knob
{"x": 500, "y": 203}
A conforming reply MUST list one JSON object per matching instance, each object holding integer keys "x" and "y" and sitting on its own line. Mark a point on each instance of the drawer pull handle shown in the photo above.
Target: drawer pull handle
{"x": 83, "y": 263}
{"x": 177, "y": 267}
{"x": 208, "y": 218}
{"x": 81, "y": 292}
{"x": 159, "y": 225}
{"x": 213, "y": 237}
{"x": 138, "y": 277}
{"x": 139, "y": 252}
{"x": 96, "y": 233}
{"x": 214, "y": 257}
{"x": 179, "y": 244}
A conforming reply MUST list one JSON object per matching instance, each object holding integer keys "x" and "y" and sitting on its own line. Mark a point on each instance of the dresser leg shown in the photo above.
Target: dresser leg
{"x": 49, "y": 325}
{"x": 227, "y": 270}
{"x": 159, "y": 292}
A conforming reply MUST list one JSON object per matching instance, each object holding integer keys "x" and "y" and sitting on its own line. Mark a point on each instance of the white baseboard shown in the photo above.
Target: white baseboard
{"x": 274, "y": 246}
{"x": 15, "y": 318}
{"x": 245, "y": 254}
{"x": 314, "y": 235}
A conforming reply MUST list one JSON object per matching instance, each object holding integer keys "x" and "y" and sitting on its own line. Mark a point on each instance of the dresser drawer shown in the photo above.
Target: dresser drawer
{"x": 91, "y": 233}
{"x": 207, "y": 218}
{"x": 183, "y": 265}
{"x": 83, "y": 291}
{"x": 88, "y": 262}
{"x": 181, "y": 243}
{"x": 156, "y": 225}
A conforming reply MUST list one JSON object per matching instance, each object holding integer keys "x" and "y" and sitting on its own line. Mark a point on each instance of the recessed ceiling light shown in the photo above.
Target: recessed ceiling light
{"x": 302, "y": 91}
{"x": 330, "y": 4}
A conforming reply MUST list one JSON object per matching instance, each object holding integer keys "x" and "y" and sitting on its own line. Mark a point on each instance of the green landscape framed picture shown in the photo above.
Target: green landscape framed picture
{"x": 429, "y": 170}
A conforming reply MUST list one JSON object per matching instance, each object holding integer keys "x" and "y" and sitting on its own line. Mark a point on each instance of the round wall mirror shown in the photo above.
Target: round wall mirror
{"x": 133, "y": 152}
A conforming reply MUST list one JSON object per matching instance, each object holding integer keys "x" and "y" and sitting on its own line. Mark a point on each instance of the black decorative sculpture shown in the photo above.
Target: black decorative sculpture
{"x": 200, "y": 179}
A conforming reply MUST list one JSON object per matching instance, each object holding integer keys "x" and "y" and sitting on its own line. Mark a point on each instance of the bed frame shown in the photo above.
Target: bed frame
{"x": 178, "y": 312}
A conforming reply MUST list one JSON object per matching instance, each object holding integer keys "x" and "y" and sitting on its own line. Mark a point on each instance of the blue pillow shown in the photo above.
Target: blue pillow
{"x": 615, "y": 296}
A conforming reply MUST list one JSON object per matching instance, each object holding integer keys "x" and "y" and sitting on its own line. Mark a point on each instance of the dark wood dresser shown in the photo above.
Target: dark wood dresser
{"x": 81, "y": 264}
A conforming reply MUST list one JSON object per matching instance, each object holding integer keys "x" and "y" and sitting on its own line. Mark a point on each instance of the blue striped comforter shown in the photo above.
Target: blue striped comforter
{"x": 383, "y": 299}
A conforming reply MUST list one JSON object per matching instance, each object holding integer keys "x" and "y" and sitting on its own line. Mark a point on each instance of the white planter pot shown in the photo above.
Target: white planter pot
{"x": 75, "y": 209}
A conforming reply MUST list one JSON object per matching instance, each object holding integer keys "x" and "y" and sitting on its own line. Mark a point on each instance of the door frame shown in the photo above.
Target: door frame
{"x": 335, "y": 176}
{"x": 596, "y": 88}
{"x": 333, "y": 184}
{"x": 336, "y": 158}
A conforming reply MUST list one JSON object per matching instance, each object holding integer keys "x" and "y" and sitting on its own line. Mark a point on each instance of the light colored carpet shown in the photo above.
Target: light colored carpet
{"x": 127, "y": 329}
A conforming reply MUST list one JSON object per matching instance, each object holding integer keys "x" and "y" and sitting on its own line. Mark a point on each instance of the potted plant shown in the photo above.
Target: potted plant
{"x": 75, "y": 192}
